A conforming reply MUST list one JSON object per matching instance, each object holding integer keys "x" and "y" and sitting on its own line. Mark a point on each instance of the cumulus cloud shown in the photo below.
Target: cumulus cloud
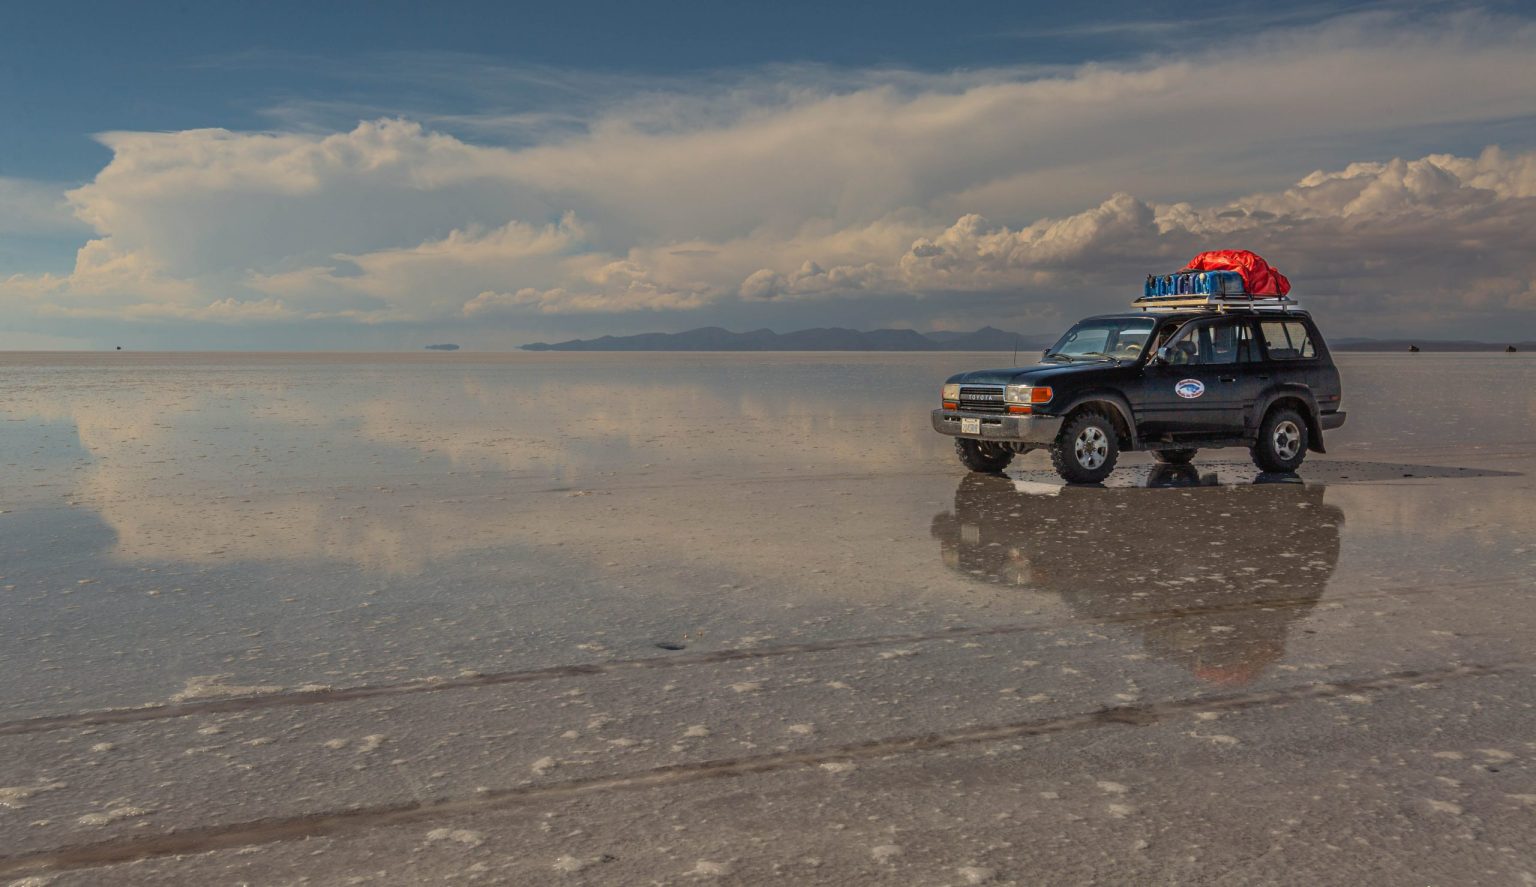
{"x": 1032, "y": 186}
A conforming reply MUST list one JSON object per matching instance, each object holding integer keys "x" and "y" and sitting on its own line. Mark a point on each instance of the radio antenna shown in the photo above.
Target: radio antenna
{"x": 1015, "y": 349}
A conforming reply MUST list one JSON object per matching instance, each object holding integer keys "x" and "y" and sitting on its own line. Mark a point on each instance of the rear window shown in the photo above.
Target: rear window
{"x": 1286, "y": 340}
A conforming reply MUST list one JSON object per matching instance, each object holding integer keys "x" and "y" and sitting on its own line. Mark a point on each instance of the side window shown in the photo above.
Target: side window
{"x": 1286, "y": 340}
{"x": 1210, "y": 344}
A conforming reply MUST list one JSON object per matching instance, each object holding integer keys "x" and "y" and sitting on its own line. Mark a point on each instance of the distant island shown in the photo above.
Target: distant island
{"x": 1416, "y": 345}
{"x": 713, "y": 338}
{"x": 442, "y": 348}
{"x": 988, "y": 338}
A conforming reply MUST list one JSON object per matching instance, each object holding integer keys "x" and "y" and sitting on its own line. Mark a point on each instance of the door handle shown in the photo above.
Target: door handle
{"x": 1227, "y": 378}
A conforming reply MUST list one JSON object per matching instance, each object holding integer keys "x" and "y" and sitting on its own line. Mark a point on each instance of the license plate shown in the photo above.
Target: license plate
{"x": 970, "y": 426}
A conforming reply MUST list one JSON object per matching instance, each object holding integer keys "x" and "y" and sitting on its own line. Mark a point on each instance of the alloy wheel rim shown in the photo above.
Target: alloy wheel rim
{"x": 1091, "y": 448}
{"x": 1287, "y": 440}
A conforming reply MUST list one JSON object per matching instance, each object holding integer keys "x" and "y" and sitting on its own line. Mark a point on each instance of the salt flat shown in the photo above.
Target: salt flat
{"x": 632, "y": 619}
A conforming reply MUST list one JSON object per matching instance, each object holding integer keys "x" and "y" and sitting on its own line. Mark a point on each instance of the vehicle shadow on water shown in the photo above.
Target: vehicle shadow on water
{"x": 1211, "y": 564}
{"x": 1218, "y": 473}
{"x": 1212, "y": 578}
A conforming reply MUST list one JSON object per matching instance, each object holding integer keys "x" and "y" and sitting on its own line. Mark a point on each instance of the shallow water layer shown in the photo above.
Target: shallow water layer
{"x": 366, "y": 600}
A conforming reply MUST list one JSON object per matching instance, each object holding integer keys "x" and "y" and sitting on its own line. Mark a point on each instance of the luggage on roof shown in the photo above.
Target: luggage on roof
{"x": 1259, "y": 279}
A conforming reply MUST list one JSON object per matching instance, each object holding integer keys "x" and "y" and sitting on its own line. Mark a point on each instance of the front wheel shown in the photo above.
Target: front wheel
{"x": 1175, "y": 457}
{"x": 1086, "y": 449}
{"x": 987, "y": 458}
{"x": 1282, "y": 441}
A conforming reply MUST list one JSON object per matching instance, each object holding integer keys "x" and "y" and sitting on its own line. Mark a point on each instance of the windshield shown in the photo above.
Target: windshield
{"x": 1115, "y": 339}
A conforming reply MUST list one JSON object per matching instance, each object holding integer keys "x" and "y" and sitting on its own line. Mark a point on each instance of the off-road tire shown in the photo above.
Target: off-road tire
{"x": 1086, "y": 448}
{"x": 987, "y": 458}
{"x": 1175, "y": 457}
{"x": 1282, "y": 442}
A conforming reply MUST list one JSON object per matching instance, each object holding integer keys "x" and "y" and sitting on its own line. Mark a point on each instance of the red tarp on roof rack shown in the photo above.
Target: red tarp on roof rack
{"x": 1259, "y": 278}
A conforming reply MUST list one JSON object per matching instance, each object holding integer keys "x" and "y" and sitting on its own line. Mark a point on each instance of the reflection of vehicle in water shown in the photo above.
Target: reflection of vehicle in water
{"x": 1212, "y": 577}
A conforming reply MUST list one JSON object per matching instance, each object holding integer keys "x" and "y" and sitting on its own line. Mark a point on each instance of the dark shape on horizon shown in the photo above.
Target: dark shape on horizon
{"x": 1425, "y": 345}
{"x": 119, "y": 348}
{"x": 714, "y": 338}
{"x": 447, "y": 347}
{"x": 1413, "y": 349}
{"x": 1509, "y": 349}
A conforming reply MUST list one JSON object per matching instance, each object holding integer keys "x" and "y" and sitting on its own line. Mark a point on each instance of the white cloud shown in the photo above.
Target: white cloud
{"x": 885, "y": 183}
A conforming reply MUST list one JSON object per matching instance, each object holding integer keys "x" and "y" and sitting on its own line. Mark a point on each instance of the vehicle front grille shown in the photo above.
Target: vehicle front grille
{"x": 982, "y": 400}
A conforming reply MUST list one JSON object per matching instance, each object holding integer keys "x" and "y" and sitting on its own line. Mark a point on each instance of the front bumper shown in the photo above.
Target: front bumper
{"x": 1332, "y": 420}
{"x": 1015, "y": 429}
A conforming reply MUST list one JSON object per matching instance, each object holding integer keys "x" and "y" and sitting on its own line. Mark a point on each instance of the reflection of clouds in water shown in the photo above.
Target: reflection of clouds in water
{"x": 255, "y": 464}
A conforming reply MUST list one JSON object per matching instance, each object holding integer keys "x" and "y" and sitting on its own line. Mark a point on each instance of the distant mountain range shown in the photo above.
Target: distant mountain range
{"x": 713, "y": 338}
{"x": 988, "y": 338}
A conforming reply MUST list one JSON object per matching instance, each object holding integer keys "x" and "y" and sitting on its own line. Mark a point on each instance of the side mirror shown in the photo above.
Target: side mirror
{"x": 1163, "y": 355}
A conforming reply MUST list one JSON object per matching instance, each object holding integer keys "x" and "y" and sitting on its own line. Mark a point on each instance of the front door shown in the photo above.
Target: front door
{"x": 1207, "y": 382}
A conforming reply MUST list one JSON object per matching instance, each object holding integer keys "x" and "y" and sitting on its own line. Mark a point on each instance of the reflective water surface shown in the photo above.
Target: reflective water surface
{"x": 512, "y": 618}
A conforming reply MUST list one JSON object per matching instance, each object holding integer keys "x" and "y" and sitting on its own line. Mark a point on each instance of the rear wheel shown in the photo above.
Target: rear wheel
{"x": 977, "y": 455}
{"x": 1175, "y": 457}
{"x": 1086, "y": 449}
{"x": 1282, "y": 441}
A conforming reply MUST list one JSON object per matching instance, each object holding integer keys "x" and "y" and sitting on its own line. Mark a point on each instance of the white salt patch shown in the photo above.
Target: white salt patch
{"x": 1121, "y": 811}
{"x": 1522, "y": 799}
{"x": 103, "y": 746}
{"x": 14, "y": 796}
{"x": 975, "y": 874}
{"x": 570, "y": 734}
{"x": 456, "y": 835}
{"x": 697, "y": 731}
{"x": 571, "y": 865}
{"x": 210, "y": 730}
{"x": 260, "y": 741}
{"x": 1445, "y": 807}
{"x": 747, "y": 686}
{"x": 335, "y": 744}
{"x": 370, "y": 743}
{"x": 885, "y": 852}
{"x": 209, "y": 686}
{"x": 802, "y": 729}
{"x": 897, "y": 654}
{"x": 1449, "y": 755}
{"x": 110, "y": 816}
{"x": 1218, "y": 738}
{"x": 624, "y": 742}
{"x": 1113, "y": 788}
{"x": 839, "y": 767}
{"x": 706, "y": 869}
{"x": 1496, "y": 754}
{"x": 544, "y": 765}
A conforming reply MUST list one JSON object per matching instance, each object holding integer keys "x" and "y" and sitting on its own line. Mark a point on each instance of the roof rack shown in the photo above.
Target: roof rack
{"x": 1215, "y": 302}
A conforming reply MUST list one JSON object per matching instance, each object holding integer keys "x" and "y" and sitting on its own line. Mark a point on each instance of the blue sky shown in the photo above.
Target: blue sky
{"x": 374, "y": 174}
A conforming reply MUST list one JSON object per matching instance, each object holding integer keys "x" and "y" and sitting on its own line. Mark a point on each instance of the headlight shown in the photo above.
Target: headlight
{"x": 951, "y": 392}
{"x": 1026, "y": 394}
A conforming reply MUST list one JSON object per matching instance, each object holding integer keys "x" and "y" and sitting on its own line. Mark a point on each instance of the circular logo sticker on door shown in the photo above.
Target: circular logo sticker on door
{"x": 1189, "y": 388}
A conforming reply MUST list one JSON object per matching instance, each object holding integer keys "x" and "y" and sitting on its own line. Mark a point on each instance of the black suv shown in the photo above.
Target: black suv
{"x": 1170, "y": 381}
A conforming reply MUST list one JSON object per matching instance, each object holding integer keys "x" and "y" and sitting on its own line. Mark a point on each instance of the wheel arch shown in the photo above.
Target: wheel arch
{"x": 1115, "y": 406}
{"x": 1301, "y": 399}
